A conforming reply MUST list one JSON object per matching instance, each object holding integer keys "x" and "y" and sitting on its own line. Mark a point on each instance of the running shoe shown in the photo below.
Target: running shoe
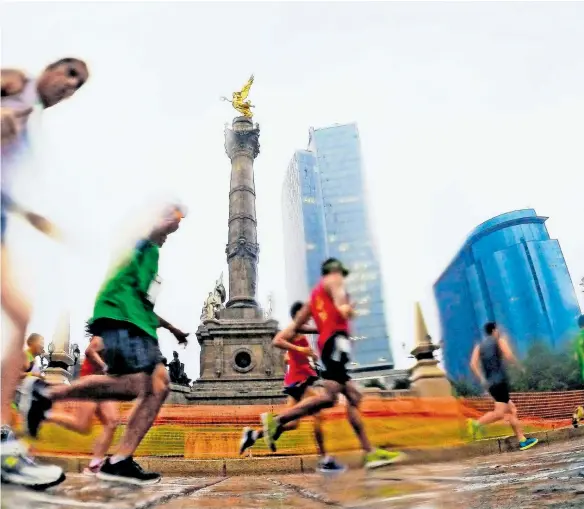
{"x": 380, "y": 457}
{"x": 33, "y": 405}
{"x": 528, "y": 443}
{"x": 248, "y": 439}
{"x": 270, "y": 430}
{"x": 474, "y": 429}
{"x": 330, "y": 465}
{"x": 20, "y": 469}
{"x": 127, "y": 471}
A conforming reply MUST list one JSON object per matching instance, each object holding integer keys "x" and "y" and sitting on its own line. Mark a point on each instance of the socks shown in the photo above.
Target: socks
{"x": 116, "y": 458}
{"x": 95, "y": 462}
{"x": 255, "y": 435}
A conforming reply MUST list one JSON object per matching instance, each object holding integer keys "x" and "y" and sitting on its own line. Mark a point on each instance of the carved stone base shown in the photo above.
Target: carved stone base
{"x": 57, "y": 376}
{"x": 238, "y": 365}
{"x": 428, "y": 380}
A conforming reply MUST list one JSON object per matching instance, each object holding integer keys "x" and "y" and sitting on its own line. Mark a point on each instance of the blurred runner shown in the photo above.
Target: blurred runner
{"x": 23, "y": 98}
{"x": 298, "y": 385}
{"x": 488, "y": 364}
{"x": 124, "y": 318}
{"x": 329, "y": 307}
{"x": 81, "y": 419}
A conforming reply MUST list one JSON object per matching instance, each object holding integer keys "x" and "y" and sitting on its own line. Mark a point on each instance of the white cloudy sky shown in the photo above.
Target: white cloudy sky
{"x": 466, "y": 110}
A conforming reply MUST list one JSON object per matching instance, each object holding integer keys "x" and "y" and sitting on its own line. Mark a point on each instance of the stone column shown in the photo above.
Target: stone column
{"x": 242, "y": 146}
{"x": 59, "y": 361}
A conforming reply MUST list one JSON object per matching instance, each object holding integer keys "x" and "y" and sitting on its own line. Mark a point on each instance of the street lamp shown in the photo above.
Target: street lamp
{"x": 51, "y": 349}
{"x": 76, "y": 353}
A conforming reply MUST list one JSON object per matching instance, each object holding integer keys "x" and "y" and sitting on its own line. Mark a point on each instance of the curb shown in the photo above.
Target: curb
{"x": 307, "y": 464}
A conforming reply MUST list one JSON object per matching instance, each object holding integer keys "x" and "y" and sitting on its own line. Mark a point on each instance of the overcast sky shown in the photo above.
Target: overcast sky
{"x": 466, "y": 111}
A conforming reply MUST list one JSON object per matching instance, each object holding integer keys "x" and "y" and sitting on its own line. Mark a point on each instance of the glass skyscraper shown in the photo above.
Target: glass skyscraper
{"x": 325, "y": 214}
{"x": 511, "y": 272}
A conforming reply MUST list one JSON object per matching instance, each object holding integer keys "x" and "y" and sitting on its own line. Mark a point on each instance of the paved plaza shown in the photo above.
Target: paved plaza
{"x": 544, "y": 477}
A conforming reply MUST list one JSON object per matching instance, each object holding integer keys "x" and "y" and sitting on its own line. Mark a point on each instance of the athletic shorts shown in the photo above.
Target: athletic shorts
{"x": 129, "y": 351}
{"x": 297, "y": 390}
{"x": 500, "y": 392}
{"x": 4, "y": 206}
{"x": 335, "y": 358}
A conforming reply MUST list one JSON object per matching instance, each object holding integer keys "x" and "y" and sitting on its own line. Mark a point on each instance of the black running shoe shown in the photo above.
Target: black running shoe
{"x": 247, "y": 440}
{"x": 330, "y": 465}
{"x": 33, "y": 405}
{"x": 127, "y": 471}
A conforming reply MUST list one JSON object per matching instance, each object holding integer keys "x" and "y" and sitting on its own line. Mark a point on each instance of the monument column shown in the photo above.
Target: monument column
{"x": 242, "y": 146}
{"x": 59, "y": 359}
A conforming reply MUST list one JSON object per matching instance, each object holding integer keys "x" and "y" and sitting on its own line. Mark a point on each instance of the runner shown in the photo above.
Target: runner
{"x": 32, "y": 362}
{"x": 298, "y": 385}
{"x": 124, "y": 318}
{"x": 490, "y": 355}
{"x": 81, "y": 419}
{"x": 331, "y": 311}
{"x": 23, "y": 98}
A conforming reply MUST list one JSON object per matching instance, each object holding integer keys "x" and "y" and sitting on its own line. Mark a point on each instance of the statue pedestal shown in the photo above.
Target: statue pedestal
{"x": 428, "y": 380}
{"x": 239, "y": 365}
{"x": 58, "y": 370}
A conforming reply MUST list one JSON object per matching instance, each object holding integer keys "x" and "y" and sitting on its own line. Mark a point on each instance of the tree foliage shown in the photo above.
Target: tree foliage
{"x": 402, "y": 384}
{"x": 544, "y": 369}
{"x": 374, "y": 383}
{"x": 465, "y": 388}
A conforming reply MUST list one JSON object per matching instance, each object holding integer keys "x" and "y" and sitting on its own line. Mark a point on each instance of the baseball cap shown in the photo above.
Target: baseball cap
{"x": 333, "y": 265}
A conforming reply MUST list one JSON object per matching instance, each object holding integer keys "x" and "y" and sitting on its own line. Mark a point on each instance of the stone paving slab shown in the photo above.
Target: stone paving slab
{"x": 549, "y": 476}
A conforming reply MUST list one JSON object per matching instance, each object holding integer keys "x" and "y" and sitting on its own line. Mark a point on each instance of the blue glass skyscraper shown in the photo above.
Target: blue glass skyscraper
{"x": 325, "y": 214}
{"x": 511, "y": 272}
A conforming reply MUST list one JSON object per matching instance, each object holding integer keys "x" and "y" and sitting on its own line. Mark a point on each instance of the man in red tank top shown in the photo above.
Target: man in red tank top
{"x": 298, "y": 385}
{"x": 331, "y": 311}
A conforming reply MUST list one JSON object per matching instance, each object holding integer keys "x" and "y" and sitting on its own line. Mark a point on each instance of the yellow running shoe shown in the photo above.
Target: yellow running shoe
{"x": 380, "y": 457}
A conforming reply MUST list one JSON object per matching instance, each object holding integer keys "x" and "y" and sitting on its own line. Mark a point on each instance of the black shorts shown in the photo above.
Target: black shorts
{"x": 296, "y": 391}
{"x": 129, "y": 351}
{"x": 500, "y": 392}
{"x": 335, "y": 358}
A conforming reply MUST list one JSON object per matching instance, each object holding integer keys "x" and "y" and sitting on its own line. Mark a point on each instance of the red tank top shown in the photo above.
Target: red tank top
{"x": 299, "y": 368}
{"x": 89, "y": 368}
{"x": 326, "y": 316}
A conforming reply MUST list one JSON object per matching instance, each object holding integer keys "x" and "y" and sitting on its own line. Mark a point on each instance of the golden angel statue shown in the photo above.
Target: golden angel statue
{"x": 239, "y": 99}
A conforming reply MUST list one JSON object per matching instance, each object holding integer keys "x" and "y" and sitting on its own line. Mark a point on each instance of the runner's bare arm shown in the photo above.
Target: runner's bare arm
{"x": 506, "y": 350}
{"x": 474, "y": 364}
{"x": 335, "y": 286}
{"x": 283, "y": 338}
{"x": 180, "y": 336}
{"x": 92, "y": 352}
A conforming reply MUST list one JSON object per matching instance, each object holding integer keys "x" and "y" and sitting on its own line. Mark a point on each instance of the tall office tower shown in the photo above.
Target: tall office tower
{"x": 511, "y": 272}
{"x": 325, "y": 214}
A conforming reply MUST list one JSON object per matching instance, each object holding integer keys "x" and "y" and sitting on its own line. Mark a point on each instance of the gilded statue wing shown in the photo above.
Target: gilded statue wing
{"x": 245, "y": 90}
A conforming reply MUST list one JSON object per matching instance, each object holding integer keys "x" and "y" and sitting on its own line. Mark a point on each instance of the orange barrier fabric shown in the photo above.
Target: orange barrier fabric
{"x": 209, "y": 432}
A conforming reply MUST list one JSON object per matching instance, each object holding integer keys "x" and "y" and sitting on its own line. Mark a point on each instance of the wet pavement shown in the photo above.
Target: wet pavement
{"x": 543, "y": 477}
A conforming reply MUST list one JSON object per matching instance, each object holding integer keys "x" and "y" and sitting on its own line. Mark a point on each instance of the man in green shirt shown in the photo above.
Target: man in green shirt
{"x": 124, "y": 318}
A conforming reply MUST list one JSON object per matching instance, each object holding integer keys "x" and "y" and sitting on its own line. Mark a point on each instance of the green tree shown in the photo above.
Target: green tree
{"x": 463, "y": 387}
{"x": 374, "y": 383}
{"x": 544, "y": 369}
{"x": 402, "y": 384}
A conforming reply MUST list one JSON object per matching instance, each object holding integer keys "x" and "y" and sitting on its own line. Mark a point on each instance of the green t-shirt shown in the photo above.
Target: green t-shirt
{"x": 128, "y": 295}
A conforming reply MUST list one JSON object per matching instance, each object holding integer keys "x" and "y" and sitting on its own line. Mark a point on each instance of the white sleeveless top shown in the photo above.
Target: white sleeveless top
{"x": 20, "y": 154}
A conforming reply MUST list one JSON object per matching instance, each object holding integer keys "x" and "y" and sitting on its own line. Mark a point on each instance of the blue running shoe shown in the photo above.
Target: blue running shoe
{"x": 528, "y": 443}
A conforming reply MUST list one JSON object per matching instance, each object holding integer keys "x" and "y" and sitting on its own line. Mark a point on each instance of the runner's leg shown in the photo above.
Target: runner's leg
{"x": 107, "y": 412}
{"x": 354, "y": 415}
{"x": 145, "y": 412}
{"x": 79, "y": 420}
